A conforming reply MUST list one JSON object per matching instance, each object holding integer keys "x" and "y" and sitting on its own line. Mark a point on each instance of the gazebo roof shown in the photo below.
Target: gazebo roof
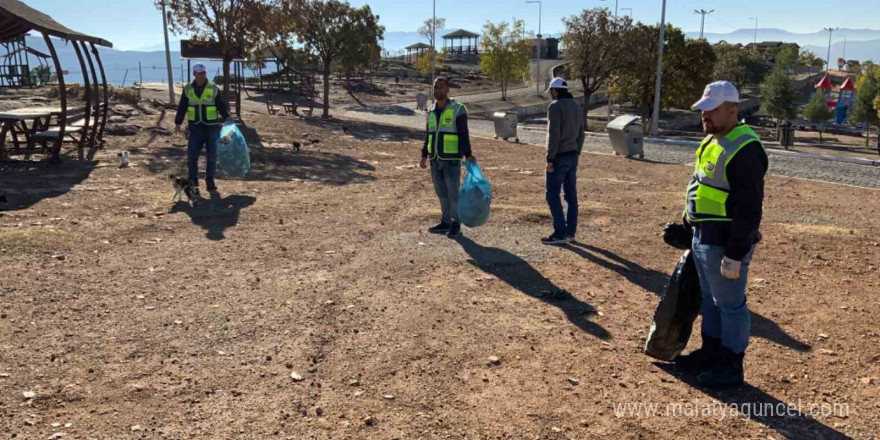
{"x": 461, "y": 33}
{"x": 418, "y": 46}
{"x": 17, "y": 19}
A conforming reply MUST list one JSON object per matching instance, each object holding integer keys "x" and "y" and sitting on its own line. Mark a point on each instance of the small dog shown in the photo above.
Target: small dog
{"x": 183, "y": 186}
{"x": 123, "y": 159}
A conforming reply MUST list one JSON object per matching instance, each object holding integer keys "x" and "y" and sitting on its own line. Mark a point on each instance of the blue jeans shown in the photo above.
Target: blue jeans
{"x": 201, "y": 135}
{"x": 446, "y": 175}
{"x": 563, "y": 177}
{"x": 725, "y": 313}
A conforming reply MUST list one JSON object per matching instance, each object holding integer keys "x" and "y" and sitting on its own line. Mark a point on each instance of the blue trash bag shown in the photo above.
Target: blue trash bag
{"x": 474, "y": 197}
{"x": 232, "y": 151}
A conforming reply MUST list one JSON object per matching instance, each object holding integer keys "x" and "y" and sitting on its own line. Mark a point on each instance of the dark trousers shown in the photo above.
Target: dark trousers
{"x": 563, "y": 177}
{"x": 446, "y": 175}
{"x": 207, "y": 136}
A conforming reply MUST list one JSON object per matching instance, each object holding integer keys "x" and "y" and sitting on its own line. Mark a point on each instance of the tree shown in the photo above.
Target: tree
{"x": 233, "y": 24}
{"x": 853, "y": 66}
{"x": 687, "y": 68}
{"x": 743, "y": 67}
{"x": 817, "y": 110}
{"x": 592, "y": 47}
{"x": 810, "y": 60}
{"x": 427, "y": 29}
{"x": 777, "y": 95}
{"x": 865, "y": 109}
{"x": 505, "y": 55}
{"x": 787, "y": 57}
{"x": 334, "y": 31}
{"x": 423, "y": 62}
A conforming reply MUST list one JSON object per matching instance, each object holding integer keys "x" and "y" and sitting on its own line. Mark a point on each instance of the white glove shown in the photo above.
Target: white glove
{"x": 730, "y": 268}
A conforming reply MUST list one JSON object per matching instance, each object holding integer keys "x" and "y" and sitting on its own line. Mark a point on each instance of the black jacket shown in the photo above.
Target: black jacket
{"x": 182, "y": 106}
{"x": 464, "y": 138}
{"x": 745, "y": 173}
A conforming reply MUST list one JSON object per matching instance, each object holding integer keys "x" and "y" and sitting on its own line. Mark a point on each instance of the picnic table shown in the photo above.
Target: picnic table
{"x": 15, "y": 122}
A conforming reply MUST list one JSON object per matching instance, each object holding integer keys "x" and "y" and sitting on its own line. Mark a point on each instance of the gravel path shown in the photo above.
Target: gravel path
{"x": 798, "y": 167}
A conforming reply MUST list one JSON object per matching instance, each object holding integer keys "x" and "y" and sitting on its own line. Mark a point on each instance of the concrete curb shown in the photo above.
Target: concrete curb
{"x": 771, "y": 151}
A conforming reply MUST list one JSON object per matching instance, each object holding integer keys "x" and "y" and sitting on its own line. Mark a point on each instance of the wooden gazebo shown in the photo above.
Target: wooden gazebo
{"x": 16, "y": 20}
{"x": 454, "y": 43}
{"x": 415, "y": 51}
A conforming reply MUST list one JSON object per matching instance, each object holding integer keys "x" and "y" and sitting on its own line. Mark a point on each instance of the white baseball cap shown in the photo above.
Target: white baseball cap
{"x": 557, "y": 83}
{"x": 716, "y": 94}
{"x": 199, "y": 68}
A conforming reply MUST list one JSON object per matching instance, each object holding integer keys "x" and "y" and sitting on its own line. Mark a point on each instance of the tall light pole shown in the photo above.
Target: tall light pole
{"x": 756, "y": 29}
{"x": 168, "y": 58}
{"x": 702, "y": 13}
{"x": 655, "y": 118}
{"x": 538, "y": 75}
{"x": 433, "y": 47}
{"x": 828, "y": 60}
{"x": 844, "y": 48}
{"x": 615, "y": 8}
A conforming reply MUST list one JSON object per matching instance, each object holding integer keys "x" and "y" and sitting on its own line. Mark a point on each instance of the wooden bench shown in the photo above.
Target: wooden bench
{"x": 74, "y": 129}
{"x": 289, "y": 108}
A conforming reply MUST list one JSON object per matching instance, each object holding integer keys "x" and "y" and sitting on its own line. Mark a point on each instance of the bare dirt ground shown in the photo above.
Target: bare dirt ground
{"x": 307, "y": 301}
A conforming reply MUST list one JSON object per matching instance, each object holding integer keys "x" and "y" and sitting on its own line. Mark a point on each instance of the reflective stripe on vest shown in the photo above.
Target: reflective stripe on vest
{"x": 709, "y": 189}
{"x": 443, "y": 134}
{"x": 202, "y": 109}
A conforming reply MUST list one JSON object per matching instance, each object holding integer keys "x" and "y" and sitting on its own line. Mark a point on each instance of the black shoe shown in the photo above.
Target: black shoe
{"x": 555, "y": 239}
{"x": 442, "y": 228}
{"x": 454, "y": 230}
{"x": 212, "y": 188}
{"x": 703, "y": 358}
{"x": 570, "y": 237}
{"x": 727, "y": 373}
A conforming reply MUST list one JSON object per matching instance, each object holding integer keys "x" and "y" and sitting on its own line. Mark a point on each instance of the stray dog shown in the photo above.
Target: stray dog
{"x": 182, "y": 187}
{"x": 123, "y": 159}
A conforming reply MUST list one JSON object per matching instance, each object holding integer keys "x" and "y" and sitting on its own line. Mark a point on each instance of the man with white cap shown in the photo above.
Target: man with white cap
{"x": 724, "y": 207}
{"x": 565, "y": 141}
{"x": 201, "y": 105}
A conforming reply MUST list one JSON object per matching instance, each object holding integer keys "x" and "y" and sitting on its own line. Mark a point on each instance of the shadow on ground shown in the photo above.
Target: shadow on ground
{"x": 26, "y": 183}
{"x": 215, "y": 214}
{"x": 519, "y": 274}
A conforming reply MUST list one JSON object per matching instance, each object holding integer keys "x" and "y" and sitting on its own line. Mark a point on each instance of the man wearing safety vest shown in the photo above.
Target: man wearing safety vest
{"x": 724, "y": 203}
{"x": 446, "y": 142}
{"x": 202, "y": 105}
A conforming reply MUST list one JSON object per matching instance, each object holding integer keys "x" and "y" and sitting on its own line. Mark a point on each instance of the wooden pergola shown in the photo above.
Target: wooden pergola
{"x": 418, "y": 50}
{"x": 450, "y": 46}
{"x": 16, "y": 20}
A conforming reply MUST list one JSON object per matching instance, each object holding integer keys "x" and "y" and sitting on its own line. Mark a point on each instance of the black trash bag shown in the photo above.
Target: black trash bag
{"x": 675, "y": 315}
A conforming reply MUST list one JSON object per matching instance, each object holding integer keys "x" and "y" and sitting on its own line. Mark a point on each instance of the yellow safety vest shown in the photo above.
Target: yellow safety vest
{"x": 443, "y": 134}
{"x": 202, "y": 109}
{"x": 709, "y": 189}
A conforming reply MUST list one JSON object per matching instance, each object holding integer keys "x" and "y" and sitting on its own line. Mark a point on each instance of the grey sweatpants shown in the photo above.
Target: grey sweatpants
{"x": 446, "y": 175}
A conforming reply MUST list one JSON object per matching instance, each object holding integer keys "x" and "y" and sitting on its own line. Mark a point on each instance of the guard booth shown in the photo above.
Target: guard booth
{"x": 212, "y": 51}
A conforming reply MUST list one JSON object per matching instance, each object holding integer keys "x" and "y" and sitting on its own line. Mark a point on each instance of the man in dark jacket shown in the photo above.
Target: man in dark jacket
{"x": 565, "y": 141}
{"x": 202, "y": 105}
{"x": 447, "y": 141}
{"x": 724, "y": 208}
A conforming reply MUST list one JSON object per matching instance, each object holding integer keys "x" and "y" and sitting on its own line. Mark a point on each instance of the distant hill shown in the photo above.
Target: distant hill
{"x": 862, "y": 44}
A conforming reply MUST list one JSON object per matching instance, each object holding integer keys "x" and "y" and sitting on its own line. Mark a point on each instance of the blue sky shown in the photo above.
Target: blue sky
{"x": 132, "y": 24}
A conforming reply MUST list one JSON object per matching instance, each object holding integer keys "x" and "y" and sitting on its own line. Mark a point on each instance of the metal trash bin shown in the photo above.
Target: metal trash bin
{"x": 422, "y": 101}
{"x": 786, "y": 135}
{"x": 505, "y": 125}
{"x": 626, "y": 135}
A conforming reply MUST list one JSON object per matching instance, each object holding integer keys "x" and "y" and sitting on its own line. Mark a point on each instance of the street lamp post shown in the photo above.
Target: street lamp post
{"x": 828, "y": 60}
{"x": 433, "y": 47}
{"x": 168, "y": 57}
{"x": 655, "y": 118}
{"x": 538, "y": 68}
{"x": 615, "y": 8}
{"x": 703, "y": 13}
{"x": 756, "y": 29}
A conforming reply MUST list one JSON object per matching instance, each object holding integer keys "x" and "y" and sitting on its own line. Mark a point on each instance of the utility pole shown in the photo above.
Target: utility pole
{"x": 655, "y": 118}
{"x": 703, "y": 13}
{"x": 167, "y": 58}
{"x": 756, "y": 30}
{"x": 828, "y": 60}
{"x": 844, "y": 48}
{"x": 538, "y": 68}
{"x": 433, "y": 47}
